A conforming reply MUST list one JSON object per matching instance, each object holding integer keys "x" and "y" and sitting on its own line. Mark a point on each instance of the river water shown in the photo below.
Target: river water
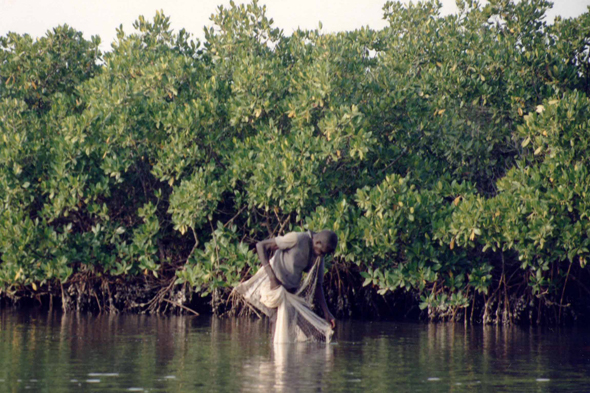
{"x": 112, "y": 353}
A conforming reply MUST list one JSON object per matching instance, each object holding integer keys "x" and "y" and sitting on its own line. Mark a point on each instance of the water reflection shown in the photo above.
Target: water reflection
{"x": 289, "y": 368}
{"x": 74, "y": 352}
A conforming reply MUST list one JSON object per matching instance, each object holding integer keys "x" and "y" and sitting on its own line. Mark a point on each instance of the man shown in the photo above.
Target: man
{"x": 277, "y": 290}
{"x": 295, "y": 253}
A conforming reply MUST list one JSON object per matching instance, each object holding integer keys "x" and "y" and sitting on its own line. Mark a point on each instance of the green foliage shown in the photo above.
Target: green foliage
{"x": 34, "y": 71}
{"x": 220, "y": 264}
{"x": 448, "y": 153}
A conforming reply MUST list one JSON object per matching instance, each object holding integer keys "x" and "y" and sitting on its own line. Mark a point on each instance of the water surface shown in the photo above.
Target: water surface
{"x": 113, "y": 353}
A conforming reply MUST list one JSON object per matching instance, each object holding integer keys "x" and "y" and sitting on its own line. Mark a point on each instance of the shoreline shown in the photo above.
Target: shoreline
{"x": 142, "y": 295}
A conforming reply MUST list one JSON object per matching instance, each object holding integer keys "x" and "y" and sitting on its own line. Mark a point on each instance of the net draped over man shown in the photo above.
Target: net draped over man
{"x": 278, "y": 290}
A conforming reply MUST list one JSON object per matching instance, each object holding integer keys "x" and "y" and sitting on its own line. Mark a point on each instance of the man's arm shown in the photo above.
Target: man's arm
{"x": 321, "y": 299}
{"x": 264, "y": 248}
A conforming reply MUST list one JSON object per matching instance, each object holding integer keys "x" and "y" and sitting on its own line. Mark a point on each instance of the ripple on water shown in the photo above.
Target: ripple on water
{"x": 103, "y": 374}
{"x": 135, "y": 390}
{"x": 93, "y": 380}
{"x": 433, "y": 379}
{"x": 542, "y": 380}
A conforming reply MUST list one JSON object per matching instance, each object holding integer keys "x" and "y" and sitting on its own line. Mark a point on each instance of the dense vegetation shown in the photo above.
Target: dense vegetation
{"x": 448, "y": 153}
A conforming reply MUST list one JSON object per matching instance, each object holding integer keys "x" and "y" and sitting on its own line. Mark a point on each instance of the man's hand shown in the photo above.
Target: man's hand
{"x": 275, "y": 284}
{"x": 332, "y": 321}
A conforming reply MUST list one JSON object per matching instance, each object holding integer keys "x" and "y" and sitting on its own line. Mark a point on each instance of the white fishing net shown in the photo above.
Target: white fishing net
{"x": 294, "y": 319}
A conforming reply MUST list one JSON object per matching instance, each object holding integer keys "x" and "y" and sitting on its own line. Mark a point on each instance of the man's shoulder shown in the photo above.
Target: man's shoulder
{"x": 288, "y": 240}
{"x": 303, "y": 237}
{"x": 292, "y": 239}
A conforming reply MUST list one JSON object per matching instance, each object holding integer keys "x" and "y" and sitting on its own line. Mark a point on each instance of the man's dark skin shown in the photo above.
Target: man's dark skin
{"x": 266, "y": 247}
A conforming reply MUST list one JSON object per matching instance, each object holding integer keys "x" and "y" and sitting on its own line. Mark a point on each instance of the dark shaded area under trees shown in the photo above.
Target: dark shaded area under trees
{"x": 450, "y": 155}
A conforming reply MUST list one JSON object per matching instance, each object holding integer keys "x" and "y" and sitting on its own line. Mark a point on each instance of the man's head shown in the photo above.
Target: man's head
{"x": 324, "y": 242}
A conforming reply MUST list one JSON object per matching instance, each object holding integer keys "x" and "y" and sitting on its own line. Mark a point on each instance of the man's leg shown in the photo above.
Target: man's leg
{"x": 273, "y": 323}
